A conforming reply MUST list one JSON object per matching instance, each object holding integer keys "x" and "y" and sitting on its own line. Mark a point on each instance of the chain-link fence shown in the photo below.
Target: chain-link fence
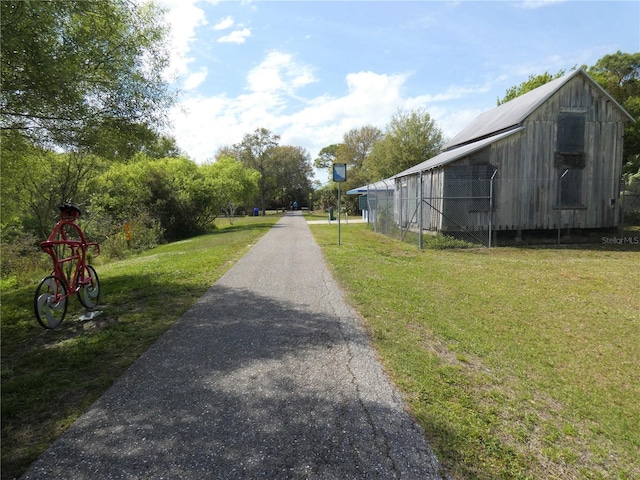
{"x": 460, "y": 214}
{"x": 629, "y": 204}
{"x": 470, "y": 208}
{"x": 381, "y": 208}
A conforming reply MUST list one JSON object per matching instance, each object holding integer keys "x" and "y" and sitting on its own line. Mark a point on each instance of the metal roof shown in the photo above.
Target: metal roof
{"x": 387, "y": 184}
{"x": 511, "y": 114}
{"x": 456, "y": 154}
{"x": 508, "y": 115}
{"x": 499, "y": 123}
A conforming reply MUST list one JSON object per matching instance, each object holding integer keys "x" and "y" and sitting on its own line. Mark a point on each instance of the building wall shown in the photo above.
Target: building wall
{"x": 528, "y": 184}
{"x": 529, "y": 175}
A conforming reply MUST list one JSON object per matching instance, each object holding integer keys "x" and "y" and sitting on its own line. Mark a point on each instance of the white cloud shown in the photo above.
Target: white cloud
{"x": 195, "y": 79}
{"x": 223, "y": 24}
{"x": 184, "y": 17}
{"x": 237, "y": 36}
{"x": 279, "y": 72}
{"x": 203, "y": 125}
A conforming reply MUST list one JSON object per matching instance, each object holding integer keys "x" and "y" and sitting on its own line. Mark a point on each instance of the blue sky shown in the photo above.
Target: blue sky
{"x": 310, "y": 71}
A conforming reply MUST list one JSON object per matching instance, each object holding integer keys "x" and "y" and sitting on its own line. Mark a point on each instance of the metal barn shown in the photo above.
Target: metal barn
{"x": 549, "y": 159}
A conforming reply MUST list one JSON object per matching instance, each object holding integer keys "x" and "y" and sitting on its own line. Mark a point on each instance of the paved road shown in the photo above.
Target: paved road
{"x": 268, "y": 376}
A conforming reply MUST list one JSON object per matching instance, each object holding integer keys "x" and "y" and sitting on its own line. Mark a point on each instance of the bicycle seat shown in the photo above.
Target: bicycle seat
{"x": 69, "y": 211}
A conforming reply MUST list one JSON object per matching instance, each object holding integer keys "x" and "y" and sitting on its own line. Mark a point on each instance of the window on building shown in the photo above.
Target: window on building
{"x": 570, "y": 141}
{"x": 571, "y": 188}
{"x": 570, "y": 157}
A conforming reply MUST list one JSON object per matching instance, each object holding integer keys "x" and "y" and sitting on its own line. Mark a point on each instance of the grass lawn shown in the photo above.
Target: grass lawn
{"x": 518, "y": 362}
{"x": 50, "y": 377}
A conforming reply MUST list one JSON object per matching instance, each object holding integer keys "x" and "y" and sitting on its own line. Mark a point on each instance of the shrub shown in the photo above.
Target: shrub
{"x": 22, "y": 258}
{"x": 442, "y": 242}
{"x": 145, "y": 233}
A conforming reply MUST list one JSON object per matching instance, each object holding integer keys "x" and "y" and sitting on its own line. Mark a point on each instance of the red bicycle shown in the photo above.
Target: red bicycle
{"x": 71, "y": 275}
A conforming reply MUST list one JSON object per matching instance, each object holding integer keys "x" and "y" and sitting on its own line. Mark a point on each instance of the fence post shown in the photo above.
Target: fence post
{"x": 420, "y": 242}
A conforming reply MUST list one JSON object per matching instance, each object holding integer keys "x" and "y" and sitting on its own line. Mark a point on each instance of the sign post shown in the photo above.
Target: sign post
{"x": 339, "y": 176}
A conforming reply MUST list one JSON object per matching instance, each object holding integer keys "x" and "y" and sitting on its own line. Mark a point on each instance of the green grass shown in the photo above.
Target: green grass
{"x": 518, "y": 363}
{"x": 316, "y": 215}
{"x": 50, "y": 377}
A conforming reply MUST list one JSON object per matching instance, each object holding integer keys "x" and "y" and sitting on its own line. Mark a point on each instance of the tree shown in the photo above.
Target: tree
{"x": 291, "y": 173}
{"x": 410, "y": 138}
{"x": 327, "y": 156}
{"x": 72, "y": 69}
{"x": 181, "y": 196}
{"x": 162, "y": 146}
{"x": 230, "y": 185}
{"x": 119, "y": 140}
{"x": 358, "y": 144}
{"x": 619, "y": 74}
{"x": 254, "y": 151}
{"x": 35, "y": 181}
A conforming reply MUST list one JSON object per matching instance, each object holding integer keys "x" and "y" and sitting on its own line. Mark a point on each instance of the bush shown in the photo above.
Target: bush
{"x": 22, "y": 258}
{"x": 442, "y": 242}
{"x": 145, "y": 233}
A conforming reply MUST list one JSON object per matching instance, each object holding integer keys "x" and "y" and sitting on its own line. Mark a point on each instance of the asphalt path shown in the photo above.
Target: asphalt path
{"x": 268, "y": 376}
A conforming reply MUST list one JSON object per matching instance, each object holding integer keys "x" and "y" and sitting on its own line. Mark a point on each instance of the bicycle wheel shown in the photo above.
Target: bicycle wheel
{"x": 89, "y": 292}
{"x": 50, "y": 302}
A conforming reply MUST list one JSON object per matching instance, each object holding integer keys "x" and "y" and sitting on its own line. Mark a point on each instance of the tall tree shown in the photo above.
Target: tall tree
{"x": 327, "y": 156}
{"x": 356, "y": 147}
{"x": 358, "y": 144}
{"x": 291, "y": 173}
{"x": 254, "y": 151}
{"x": 73, "y": 68}
{"x": 231, "y": 183}
{"x": 410, "y": 138}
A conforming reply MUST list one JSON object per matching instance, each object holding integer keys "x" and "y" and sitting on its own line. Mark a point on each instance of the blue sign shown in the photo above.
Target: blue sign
{"x": 339, "y": 172}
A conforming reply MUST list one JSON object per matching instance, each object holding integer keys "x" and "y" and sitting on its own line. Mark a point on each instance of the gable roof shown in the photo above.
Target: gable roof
{"x": 511, "y": 114}
{"x": 457, "y": 153}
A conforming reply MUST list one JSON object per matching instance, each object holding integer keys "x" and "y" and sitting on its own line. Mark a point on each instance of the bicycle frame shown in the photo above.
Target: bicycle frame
{"x": 65, "y": 245}
{"x": 78, "y": 248}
